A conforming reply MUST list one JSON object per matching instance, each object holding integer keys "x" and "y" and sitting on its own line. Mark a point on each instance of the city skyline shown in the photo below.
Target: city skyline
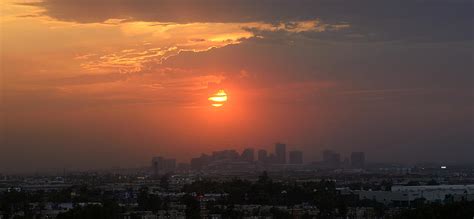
{"x": 246, "y": 161}
{"x": 252, "y": 154}
{"x": 215, "y": 109}
{"x": 94, "y": 84}
{"x": 316, "y": 157}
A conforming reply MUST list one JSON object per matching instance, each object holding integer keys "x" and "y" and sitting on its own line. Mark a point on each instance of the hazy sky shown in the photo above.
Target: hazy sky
{"x": 102, "y": 83}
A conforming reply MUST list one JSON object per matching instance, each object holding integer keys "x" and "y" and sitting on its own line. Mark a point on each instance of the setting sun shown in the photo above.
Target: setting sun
{"x": 218, "y": 99}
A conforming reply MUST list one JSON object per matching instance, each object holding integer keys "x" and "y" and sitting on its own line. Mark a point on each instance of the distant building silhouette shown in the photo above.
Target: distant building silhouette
{"x": 262, "y": 156}
{"x": 346, "y": 163}
{"x": 331, "y": 159}
{"x": 196, "y": 164}
{"x": 271, "y": 158}
{"x": 225, "y": 155}
{"x": 280, "y": 153}
{"x": 248, "y": 155}
{"x": 183, "y": 167}
{"x": 199, "y": 162}
{"x": 162, "y": 165}
{"x": 296, "y": 157}
{"x": 358, "y": 160}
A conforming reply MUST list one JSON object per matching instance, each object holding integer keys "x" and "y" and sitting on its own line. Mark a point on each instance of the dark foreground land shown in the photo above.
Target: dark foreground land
{"x": 172, "y": 196}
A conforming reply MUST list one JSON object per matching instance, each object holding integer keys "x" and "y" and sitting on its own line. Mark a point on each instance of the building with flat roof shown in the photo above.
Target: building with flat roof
{"x": 331, "y": 159}
{"x": 296, "y": 157}
{"x": 161, "y": 165}
{"x": 280, "y": 153}
{"x": 407, "y": 194}
{"x": 262, "y": 156}
{"x": 358, "y": 160}
{"x": 248, "y": 155}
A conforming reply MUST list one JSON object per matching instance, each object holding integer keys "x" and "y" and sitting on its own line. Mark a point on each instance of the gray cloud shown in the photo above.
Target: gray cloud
{"x": 429, "y": 20}
{"x": 283, "y": 58}
{"x": 388, "y": 96}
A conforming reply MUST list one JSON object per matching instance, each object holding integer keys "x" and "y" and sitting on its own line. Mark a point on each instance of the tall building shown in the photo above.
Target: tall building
{"x": 271, "y": 158}
{"x": 358, "y": 160}
{"x": 280, "y": 153}
{"x": 156, "y": 163}
{"x": 331, "y": 159}
{"x": 198, "y": 163}
{"x": 327, "y": 155}
{"x": 170, "y": 164}
{"x": 161, "y": 165}
{"x": 225, "y": 155}
{"x": 247, "y": 155}
{"x": 296, "y": 157}
{"x": 183, "y": 167}
{"x": 262, "y": 155}
{"x": 346, "y": 163}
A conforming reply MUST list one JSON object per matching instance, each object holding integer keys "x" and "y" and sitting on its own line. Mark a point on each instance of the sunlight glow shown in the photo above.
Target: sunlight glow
{"x": 218, "y": 99}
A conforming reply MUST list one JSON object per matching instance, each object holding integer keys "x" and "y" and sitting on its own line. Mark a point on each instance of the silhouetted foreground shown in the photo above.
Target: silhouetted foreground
{"x": 433, "y": 211}
{"x": 206, "y": 198}
{"x": 452, "y": 210}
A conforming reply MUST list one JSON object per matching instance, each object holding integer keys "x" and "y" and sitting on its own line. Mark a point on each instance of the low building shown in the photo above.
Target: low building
{"x": 406, "y": 194}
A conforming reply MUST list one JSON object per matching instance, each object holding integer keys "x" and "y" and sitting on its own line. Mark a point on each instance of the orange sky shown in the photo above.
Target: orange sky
{"x": 102, "y": 83}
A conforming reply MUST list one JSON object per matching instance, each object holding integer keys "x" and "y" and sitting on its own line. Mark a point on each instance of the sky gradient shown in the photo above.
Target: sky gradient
{"x": 102, "y": 83}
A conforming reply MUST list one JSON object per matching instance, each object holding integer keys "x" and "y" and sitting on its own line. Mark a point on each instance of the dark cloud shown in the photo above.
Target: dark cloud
{"x": 280, "y": 58}
{"x": 393, "y": 96}
{"x": 422, "y": 20}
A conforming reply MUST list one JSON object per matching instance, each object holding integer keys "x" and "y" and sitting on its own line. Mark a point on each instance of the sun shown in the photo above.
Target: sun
{"x": 218, "y": 99}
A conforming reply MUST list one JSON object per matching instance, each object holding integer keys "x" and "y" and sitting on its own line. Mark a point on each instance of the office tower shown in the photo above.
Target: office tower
{"x": 183, "y": 167}
{"x": 296, "y": 157}
{"x": 327, "y": 156}
{"x": 199, "y": 162}
{"x": 336, "y": 161}
{"x": 331, "y": 159}
{"x": 247, "y": 155}
{"x": 156, "y": 164}
{"x": 196, "y": 163}
{"x": 271, "y": 159}
{"x": 346, "y": 163}
{"x": 358, "y": 160}
{"x": 225, "y": 155}
{"x": 262, "y": 155}
{"x": 280, "y": 153}
{"x": 162, "y": 165}
{"x": 169, "y": 164}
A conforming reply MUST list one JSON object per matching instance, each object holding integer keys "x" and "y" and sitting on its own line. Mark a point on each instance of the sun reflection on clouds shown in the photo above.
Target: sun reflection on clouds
{"x": 184, "y": 37}
{"x": 130, "y": 52}
{"x": 126, "y": 60}
{"x": 162, "y": 41}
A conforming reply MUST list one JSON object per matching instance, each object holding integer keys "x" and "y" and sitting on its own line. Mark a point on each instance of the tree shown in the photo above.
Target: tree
{"x": 325, "y": 198}
{"x": 277, "y": 213}
{"x": 165, "y": 181}
{"x": 148, "y": 202}
{"x": 192, "y": 206}
{"x": 413, "y": 183}
{"x": 386, "y": 185}
{"x": 109, "y": 210}
{"x": 437, "y": 211}
{"x": 13, "y": 201}
{"x": 264, "y": 178}
{"x": 432, "y": 182}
